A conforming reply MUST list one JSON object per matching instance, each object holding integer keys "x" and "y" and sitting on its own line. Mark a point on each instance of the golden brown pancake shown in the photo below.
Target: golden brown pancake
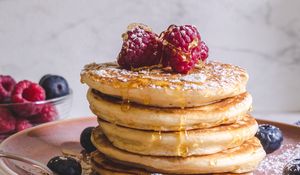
{"x": 183, "y": 143}
{"x": 104, "y": 166}
{"x": 162, "y": 88}
{"x": 143, "y": 117}
{"x": 241, "y": 159}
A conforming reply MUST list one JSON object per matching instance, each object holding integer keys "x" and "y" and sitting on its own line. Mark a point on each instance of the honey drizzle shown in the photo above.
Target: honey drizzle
{"x": 146, "y": 100}
{"x": 135, "y": 83}
{"x": 124, "y": 90}
{"x": 213, "y": 162}
{"x": 125, "y": 106}
{"x": 156, "y": 136}
{"x": 182, "y": 148}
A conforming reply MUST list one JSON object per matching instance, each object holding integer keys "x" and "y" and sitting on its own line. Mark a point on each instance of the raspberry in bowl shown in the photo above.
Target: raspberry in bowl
{"x": 25, "y": 103}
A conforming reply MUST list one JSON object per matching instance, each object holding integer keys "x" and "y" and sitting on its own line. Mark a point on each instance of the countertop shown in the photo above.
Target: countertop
{"x": 290, "y": 118}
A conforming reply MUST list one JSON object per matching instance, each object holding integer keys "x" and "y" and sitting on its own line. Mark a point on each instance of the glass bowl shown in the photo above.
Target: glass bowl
{"x": 58, "y": 108}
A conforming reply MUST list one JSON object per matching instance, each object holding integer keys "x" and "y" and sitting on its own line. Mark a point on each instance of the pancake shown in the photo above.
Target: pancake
{"x": 143, "y": 117}
{"x": 184, "y": 143}
{"x": 104, "y": 166}
{"x": 163, "y": 88}
{"x": 244, "y": 158}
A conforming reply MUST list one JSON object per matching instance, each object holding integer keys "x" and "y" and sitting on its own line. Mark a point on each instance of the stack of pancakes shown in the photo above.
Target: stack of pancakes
{"x": 152, "y": 120}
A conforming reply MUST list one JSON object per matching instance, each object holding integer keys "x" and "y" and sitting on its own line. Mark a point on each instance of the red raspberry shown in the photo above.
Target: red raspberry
{"x": 22, "y": 124}
{"x": 204, "y": 51}
{"x": 141, "y": 47}
{"x": 7, "y": 84}
{"x": 182, "y": 48}
{"x": 180, "y": 64}
{"x": 48, "y": 114}
{"x": 7, "y": 121}
{"x": 25, "y": 93}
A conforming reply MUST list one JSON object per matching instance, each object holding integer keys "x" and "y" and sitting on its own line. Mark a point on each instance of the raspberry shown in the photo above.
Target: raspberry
{"x": 182, "y": 48}
{"x": 25, "y": 93}
{"x": 7, "y": 121}
{"x": 141, "y": 47}
{"x": 22, "y": 124}
{"x": 182, "y": 37}
{"x": 204, "y": 51}
{"x": 48, "y": 114}
{"x": 7, "y": 84}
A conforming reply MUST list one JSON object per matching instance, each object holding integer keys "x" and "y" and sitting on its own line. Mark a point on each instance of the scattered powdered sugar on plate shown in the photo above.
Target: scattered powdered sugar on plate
{"x": 273, "y": 164}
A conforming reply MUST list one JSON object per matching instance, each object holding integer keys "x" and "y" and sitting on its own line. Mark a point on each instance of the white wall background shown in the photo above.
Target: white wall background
{"x": 54, "y": 36}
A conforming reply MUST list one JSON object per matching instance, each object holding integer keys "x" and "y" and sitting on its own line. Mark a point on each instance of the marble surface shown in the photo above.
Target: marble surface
{"x": 52, "y": 36}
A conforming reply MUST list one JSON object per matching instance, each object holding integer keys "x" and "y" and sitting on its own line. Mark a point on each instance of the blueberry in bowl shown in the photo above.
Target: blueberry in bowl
{"x": 270, "y": 137}
{"x": 54, "y": 85}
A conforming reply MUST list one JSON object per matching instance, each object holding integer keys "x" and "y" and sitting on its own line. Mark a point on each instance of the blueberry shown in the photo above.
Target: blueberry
{"x": 270, "y": 137}
{"x": 54, "y": 85}
{"x": 64, "y": 166}
{"x": 44, "y": 78}
{"x": 292, "y": 167}
{"x": 85, "y": 139}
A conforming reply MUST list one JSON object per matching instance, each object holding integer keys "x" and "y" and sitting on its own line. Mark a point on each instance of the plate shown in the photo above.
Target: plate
{"x": 48, "y": 140}
{"x": 45, "y": 141}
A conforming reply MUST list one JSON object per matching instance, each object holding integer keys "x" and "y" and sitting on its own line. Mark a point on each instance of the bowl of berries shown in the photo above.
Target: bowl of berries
{"x": 25, "y": 103}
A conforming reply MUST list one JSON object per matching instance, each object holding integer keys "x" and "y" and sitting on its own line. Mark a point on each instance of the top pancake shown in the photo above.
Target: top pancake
{"x": 161, "y": 87}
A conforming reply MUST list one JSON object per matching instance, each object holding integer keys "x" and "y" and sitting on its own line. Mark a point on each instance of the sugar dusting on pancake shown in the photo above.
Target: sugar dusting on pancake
{"x": 212, "y": 75}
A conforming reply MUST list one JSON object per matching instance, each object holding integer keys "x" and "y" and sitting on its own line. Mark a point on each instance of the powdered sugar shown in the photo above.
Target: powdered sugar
{"x": 274, "y": 163}
{"x": 194, "y": 78}
{"x": 213, "y": 75}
